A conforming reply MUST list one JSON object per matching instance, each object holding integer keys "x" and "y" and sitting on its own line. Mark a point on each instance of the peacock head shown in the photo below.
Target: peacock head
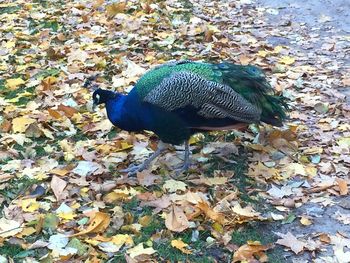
{"x": 101, "y": 96}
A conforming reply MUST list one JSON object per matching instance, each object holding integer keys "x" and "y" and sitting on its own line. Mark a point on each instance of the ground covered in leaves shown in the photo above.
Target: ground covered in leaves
{"x": 265, "y": 194}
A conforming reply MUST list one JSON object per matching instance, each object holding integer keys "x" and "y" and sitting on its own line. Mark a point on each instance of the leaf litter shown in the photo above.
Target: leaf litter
{"x": 60, "y": 189}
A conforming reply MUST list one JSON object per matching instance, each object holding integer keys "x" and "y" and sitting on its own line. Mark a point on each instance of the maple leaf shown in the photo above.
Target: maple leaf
{"x": 290, "y": 241}
{"x": 210, "y": 213}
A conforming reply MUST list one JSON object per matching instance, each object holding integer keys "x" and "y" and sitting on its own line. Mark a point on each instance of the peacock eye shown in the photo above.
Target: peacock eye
{"x": 97, "y": 98}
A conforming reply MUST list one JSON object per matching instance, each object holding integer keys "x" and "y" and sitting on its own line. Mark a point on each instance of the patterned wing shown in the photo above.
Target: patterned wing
{"x": 211, "y": 99}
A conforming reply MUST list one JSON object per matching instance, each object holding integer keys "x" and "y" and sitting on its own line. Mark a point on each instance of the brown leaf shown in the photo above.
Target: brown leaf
{"x": 54, "y": 113}
{"x": 249, "y": 252}
{"x": 57, "y": 186}
{"x": 209, "y": 212}
{"x": 146, "y": 178}
{"x": 115, "y": 8}
{"x": 176, "y": 220}
{"x": 5, "y": 126}
{"x": 343, "y": 186}
{"x": 68, "y": 111}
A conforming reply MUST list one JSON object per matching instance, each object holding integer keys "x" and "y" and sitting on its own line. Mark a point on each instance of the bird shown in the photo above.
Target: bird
{"x": 180, "y": 98}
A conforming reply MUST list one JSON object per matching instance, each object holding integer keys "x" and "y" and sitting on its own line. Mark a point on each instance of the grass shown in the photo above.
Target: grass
{"x": 16, "y": 187}
{"x": 15, "y": 252}
{"x": 257, "y": 231}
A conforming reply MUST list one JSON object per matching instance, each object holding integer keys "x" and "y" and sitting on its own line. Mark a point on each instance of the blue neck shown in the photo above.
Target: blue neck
{"x": 127, "y": 113}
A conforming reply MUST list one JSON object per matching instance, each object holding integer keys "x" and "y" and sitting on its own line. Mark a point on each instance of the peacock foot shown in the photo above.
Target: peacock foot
{"x": 182, "y": 170}
{"x": 133, "y": 169}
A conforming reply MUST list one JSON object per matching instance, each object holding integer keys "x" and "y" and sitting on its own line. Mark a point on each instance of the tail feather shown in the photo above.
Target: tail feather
{"x": 251, "y": 83}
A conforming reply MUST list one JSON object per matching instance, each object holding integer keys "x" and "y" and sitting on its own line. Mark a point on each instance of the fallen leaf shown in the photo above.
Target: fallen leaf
{"x": 9, "y": 228}
{"x": 249, "y": 252}
{"x": 140, "y": 250}
{"x": 57, "y": 186}
{"x": 176, "y": 220}
{"x": 210, "y": 213}
{"x": 173, "y": 185}
{"x": 21, "y": 124}
{"x": 305, "y": 221}
{"x": 343, "y": 186}
{"x": 180, "y": 245}
{"x": 67, "y": 110}
{"x": 146, "y": 178}
{"x": 85, "y": 167}
{"x": 14, "y": 83}
{"x": 98, "y": 223}
{"x": 290, "y": 241}
{"x": 247, "y": 211}
{"x": 287, "y": 60}
{"x": 115, "y": 8}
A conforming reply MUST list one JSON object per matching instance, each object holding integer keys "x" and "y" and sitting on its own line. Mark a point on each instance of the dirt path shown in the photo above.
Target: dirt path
{"x": 320, "y": 22}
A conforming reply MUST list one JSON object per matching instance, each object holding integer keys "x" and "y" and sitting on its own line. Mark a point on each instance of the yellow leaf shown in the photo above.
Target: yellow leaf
{"x": 218, "y": 227}
{"x": 313, "y": 150}
{"x": 60, "y": 172}
{"x": 262, "y": 53}
{"x": 277, "y": 49}
{"x": 98, "y": 223}
{"x": 115, "y": 8}
{"x": 173, "y": 185}
{"x": 305, "y": 221}
{"x": 311, "y": 171}
{"x": 145, "y": 220}
{"x": 14, "y": 83}
{"x": 180, "y": 245}
{"x": 66, "y": 216}
{"x": 287, "y": 60}
{"x": 122, "y": 239}
{"x": 27, "y": 231}
{"x": 196, "y": 138}
{"x": 10, "y": 44}
{"x": 21, "y": 124}
{"x": 140, "y": 250}
{"x": 29, "y": 205}
{"x": 294, "y": 169}
{"x": 344, "y": 142}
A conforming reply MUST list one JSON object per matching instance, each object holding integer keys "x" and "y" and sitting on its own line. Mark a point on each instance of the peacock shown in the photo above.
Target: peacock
{"x": 180, "y": 98}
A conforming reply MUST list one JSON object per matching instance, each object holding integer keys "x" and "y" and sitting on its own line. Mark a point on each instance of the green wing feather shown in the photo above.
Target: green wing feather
{"x": 249, "y": 81}
{"x": 154, "y": 77}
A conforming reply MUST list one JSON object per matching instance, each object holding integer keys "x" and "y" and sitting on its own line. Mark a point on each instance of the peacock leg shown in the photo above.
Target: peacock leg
{"x": 133, "y": 169}
{"x": 187, "y": 162}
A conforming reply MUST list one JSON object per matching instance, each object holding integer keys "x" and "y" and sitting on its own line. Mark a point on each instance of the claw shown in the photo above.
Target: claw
{"x": 133, "y": 169}
{"x": 186, "y": 165}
